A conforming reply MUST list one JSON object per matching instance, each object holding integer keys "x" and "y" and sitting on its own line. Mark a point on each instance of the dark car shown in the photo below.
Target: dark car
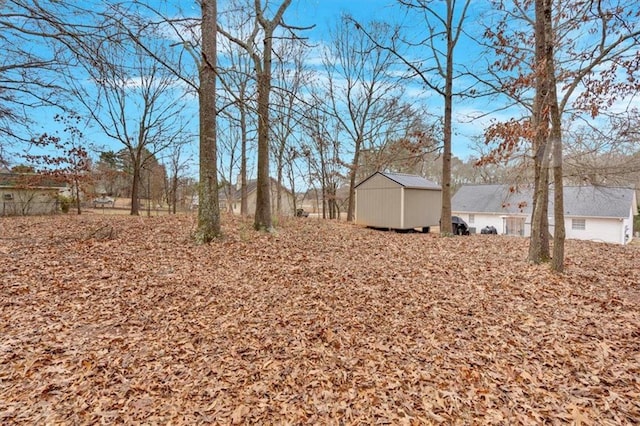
{"x": 302, "y": 213}
{"x": 459, "y": 226}
{"x": 489, "y": 230}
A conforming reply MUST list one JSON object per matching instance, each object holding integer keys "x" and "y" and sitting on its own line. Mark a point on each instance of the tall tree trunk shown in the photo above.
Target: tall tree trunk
{"x": 279, "y": 187}
{"x": 351, "y": 209}
{"x": 539, "y": 241}
{"x": 208, "y": 207}
{"x": 445, "y": 214}
{"x": 174, "y": 192}
{"x": 135, "y": 190}
{"x": 262, "y": 219}
{"x": 557, "y": 262}
{"x": 244, "y": 203}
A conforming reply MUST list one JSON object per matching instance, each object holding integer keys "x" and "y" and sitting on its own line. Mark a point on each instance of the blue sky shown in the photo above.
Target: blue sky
{"x": 325, "y": 14}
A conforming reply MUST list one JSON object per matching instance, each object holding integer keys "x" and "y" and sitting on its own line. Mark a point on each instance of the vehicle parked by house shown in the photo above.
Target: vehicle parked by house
{"x": 459, "y": 226}
{"x": 595, "y": 213}
{"x": 489, "y": 230}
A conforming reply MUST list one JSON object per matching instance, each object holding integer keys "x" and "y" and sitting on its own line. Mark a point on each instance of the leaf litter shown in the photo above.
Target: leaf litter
{"x": 125, "y": 320}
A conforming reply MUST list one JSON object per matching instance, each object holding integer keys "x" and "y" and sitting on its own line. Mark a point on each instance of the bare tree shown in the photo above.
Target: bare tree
{"x": 178, "y": 160}
{"x": 291, "y": 77}
{"x": 322, "y": 153}
{"x": 263, "y": 33}
{"x": 192, "y": 34}
{"x": 239, "y": 89}
{"x": 133, "y": 99}
{"x": 363, "y": 92}
{"x": 443, "y": 31}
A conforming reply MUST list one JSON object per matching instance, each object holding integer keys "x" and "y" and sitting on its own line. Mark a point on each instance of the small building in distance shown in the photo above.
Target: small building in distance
{"x": 25, "y": 194}
{"x": 398, "y": 201}
{"x": 231, "y": 197}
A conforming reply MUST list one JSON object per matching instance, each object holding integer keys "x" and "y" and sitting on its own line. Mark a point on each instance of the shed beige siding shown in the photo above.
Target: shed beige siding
{"x": 397, "y": 201}
{"x": 379, "y": 207}
{"x": 422, "y": 208}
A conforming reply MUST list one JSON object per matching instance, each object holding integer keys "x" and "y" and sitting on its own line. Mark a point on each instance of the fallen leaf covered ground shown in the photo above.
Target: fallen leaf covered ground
{"x": 112, "y": 319}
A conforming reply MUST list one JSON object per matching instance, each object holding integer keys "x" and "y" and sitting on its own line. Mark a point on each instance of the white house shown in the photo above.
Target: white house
{"x": 590, "y": 212}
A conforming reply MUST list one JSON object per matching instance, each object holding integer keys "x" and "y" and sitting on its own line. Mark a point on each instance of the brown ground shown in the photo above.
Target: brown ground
{"x": 111, "y": 319}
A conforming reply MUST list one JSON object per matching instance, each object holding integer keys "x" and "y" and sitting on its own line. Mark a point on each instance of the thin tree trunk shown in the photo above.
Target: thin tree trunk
{"x": 445, "y": 214}
{"x": 352, "y": 181}
{"x": 174, "y": 193}
{"x": 135, "y": 190}
{"x": 76, "y": 183}
{"x": 244, "y": 204}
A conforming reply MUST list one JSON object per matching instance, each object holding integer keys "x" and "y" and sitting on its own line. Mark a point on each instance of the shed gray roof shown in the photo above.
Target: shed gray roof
{"x": 588, "y": 201}
{"x": 407, "y": 181}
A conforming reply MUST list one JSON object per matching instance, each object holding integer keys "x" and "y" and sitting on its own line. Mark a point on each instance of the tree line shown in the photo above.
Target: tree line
{"x": 558, "y": 79}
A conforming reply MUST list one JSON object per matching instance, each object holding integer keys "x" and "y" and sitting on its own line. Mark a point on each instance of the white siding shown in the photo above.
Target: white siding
{"x": 608, "y": 230}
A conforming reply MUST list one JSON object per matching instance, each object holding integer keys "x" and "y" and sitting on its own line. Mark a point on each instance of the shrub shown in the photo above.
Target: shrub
{"x": 65, "y": 203}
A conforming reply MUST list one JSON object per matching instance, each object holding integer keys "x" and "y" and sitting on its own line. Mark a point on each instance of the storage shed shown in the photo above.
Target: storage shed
{"x": 398, "y": 201}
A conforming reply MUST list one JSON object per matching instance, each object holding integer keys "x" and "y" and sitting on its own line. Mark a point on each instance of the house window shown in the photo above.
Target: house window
{"x": 578, "y": 224}
{"x": 472, "y": 218}
{"x": 7, "y": 197}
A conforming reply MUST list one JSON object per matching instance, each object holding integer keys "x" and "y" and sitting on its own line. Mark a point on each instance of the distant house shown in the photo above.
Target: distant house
{"x": 398, "y": 201}
{"x": 312, "y": 200}
{"x": 230, "y": 198}
{"x": 591, "y": 212}
{"x": 23, "y": 194}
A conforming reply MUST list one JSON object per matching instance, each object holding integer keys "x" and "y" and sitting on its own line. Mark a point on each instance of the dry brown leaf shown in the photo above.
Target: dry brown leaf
{"x": 322, "y": 323}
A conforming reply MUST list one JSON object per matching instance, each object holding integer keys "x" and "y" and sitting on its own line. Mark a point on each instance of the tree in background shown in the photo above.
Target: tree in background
{"x": 197, "y": 46}
{"x": 63, "y": 158}
{"x": 178, "y": 161}
{"x": 442, "y": 29}
{"x": 109, "y": 175}
{"x": 290, "y": 79}
{"x": 584, "y": 62}
{"x": 321, "y": 151}
{"x": 263, "y": 33}
{"x": 363, "y": 93}
{"x": 239, "y": 96}
{"x": 134, "y": 101}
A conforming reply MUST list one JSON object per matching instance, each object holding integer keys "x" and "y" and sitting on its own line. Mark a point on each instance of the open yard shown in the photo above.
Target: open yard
{"x": 112, "y": 319}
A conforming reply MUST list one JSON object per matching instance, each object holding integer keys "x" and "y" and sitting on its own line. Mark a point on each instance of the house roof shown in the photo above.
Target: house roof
{"x": 588, "y": 201}
{"x": 30, "y": 181}
{"x": 407, "y": 181}
{"x": 252, "y": 185}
